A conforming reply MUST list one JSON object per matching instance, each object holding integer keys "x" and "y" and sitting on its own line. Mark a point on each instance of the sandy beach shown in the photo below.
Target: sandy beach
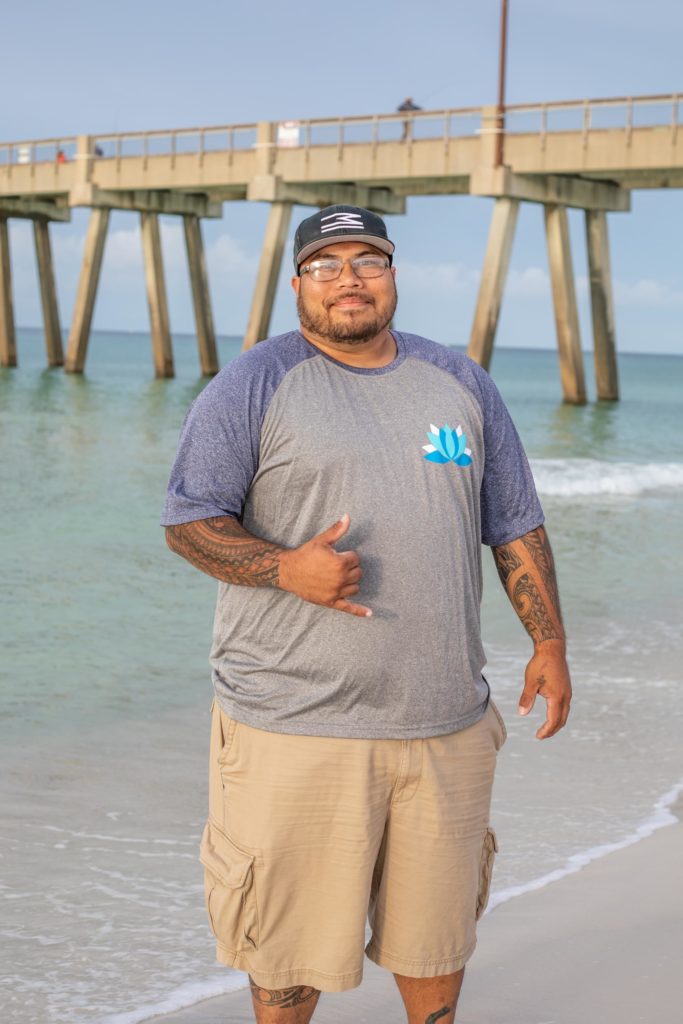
{"x": 597, "y": 947}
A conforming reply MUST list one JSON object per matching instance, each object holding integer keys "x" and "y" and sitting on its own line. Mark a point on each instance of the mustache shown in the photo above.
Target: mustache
{"x": 355, "y": 294}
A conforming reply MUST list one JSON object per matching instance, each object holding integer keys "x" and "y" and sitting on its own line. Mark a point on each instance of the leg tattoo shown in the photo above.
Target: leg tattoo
{"x": 437, "y": 1015}
{"x": 282, "y": 998}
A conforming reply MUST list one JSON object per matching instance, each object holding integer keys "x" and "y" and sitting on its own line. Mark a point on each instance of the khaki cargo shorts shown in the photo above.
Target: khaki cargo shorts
{"x": 310, "y": 837}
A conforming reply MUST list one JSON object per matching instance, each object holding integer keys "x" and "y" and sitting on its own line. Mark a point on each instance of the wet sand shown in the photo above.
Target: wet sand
{"x": 598, "y": 947}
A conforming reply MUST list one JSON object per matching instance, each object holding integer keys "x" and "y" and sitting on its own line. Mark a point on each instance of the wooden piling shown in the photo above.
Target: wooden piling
{"x": 268, "y": 273}
{"x": 162, "y": 349}
{"x": 602, "y": 306}
{"x": 494, "y": 272}
{"x": 8, "y": 339}
{"x": 201, "y": 298}
{"x": 564, "y": 301}
{"x": 79, "y": 335}
{"x": 48, "y": 293}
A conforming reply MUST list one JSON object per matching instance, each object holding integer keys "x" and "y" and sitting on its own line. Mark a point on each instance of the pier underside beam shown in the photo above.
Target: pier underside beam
{"x": 268, "y": 273}
{"x": 26, "y": 208}
{"x": 8, "y": 341}
{"x": 550, "y": 189}
{"x": 494, "y": 272}
{"x": 162, "y": 350}
{"x": 564, "y": 301}
{"x": 602, "y": 306}
{"x": 146, "y": 201}
{"x": 48, "y": 293}
{"x": 201, "y": 298}
{"x": 79, "y": 335}
{"x": 269, "y": 188}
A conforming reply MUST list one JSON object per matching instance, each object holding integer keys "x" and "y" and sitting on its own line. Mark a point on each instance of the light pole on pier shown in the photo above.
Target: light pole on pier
{"x": 500, "y": 120}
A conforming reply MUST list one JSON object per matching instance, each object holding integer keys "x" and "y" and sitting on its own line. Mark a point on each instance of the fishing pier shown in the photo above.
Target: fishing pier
{"x": 585, "y": 154}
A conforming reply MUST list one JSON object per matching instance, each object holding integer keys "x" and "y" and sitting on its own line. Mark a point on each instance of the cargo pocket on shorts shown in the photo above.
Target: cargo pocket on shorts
{"x": 229, "y": 890}
{"x": 488, "y": 854}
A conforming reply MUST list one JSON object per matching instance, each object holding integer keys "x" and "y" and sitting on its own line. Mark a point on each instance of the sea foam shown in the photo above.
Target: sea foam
{"x": 182, "y": 997}
{"x": 595, "y": 478}
{"x": 661, "y": 817}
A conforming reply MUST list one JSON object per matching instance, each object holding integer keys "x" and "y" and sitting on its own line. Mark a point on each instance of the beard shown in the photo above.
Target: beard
{"x": 352, "y": 328}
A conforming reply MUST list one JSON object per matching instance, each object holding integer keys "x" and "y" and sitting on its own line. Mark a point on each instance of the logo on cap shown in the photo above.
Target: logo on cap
{"x": 342, "y": 220}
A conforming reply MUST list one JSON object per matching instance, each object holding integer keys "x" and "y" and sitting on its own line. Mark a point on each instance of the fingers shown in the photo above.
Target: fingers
{"x": 557, "y": 713}
{"x": 333, "y": 533}
{"x": 349, "y": 559}
{"x": 353, "y": 609}
{"x": 353, "y": 574}
{"x": 528, "y": 698}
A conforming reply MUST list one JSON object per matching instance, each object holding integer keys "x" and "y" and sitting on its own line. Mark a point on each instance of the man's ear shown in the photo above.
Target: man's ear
{"x": 296, "y": 284}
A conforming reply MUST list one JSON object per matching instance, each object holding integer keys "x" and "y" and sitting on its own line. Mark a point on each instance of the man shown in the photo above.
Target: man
{"x": 407, "y": 107}
{"x": 353, "y": 736}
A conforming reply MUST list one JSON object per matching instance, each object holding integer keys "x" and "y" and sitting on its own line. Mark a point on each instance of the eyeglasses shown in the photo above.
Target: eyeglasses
{"x": 330, "y": 269}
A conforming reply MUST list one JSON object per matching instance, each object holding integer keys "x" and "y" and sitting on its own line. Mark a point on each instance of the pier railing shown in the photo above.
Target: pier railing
{"x": 658, "y": 113}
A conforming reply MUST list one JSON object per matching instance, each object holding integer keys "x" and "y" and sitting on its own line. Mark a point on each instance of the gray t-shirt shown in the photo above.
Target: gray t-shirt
{"x": 424, "y": 457}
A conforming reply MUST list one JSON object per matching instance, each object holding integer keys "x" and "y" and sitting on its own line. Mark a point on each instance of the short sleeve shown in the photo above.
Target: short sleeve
{"x": 509, "y": 503}
{"x": 217, "y": 454}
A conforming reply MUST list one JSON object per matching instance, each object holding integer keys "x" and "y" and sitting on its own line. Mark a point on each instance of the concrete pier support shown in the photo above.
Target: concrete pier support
{"x": 79, "y": 335}
{"x": 494, "y": 272}
{"x": 564, "y": 300}
{"x": 206, "y": 336}
{"x": 8, "y": 341}
{"x": 156, "y": 296}
{"x": 602, "y": 306}
{"x": 48, "y": 293}
{"x": 268, "y": 273}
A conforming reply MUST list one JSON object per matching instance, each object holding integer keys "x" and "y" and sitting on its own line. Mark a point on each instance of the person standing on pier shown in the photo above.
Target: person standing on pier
{"x": 409, "y": 106}
{"x": 339, "y": 481}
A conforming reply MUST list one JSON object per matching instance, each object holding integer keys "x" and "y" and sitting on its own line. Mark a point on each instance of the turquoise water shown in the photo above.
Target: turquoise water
{"x": 105, "y": 684}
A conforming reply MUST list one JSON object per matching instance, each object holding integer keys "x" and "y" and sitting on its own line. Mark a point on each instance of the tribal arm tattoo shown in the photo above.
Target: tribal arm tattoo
{"x": 282, "y": 998}
{"x": 527, "y": 571}
{"x": 221, "y": 548}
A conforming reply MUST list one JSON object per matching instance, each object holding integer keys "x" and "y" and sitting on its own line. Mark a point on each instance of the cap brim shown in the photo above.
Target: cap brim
{"x": 383, "y": 244}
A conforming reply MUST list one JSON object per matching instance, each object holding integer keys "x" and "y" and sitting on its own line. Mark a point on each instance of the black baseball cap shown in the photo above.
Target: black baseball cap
{"x": 339, "y": 223}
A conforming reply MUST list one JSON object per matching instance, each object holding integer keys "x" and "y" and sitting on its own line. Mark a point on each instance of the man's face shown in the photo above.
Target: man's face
{"x": 349, "y": 310}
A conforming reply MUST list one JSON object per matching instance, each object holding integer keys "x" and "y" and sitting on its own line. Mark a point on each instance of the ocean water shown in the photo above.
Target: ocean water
{"x": 105, "y": 686}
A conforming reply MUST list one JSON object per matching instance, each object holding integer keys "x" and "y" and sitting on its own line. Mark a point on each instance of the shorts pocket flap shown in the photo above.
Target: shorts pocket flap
{"x": 218, "y": 853}
{"x": 488, "y": 852}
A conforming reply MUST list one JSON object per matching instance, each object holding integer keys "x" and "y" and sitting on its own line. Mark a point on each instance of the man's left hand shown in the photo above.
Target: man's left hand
{"x": 548, "y": 674}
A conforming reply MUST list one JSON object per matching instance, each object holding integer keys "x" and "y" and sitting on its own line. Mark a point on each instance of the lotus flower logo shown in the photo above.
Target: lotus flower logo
{"x": 447, "y": 446}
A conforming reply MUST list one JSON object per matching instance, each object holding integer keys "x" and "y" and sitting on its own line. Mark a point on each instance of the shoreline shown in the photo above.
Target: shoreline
{"x": 583, "y": 946}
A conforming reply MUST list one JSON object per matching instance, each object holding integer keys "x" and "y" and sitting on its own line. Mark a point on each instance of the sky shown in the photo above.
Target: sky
{"x": 80, "y": 67}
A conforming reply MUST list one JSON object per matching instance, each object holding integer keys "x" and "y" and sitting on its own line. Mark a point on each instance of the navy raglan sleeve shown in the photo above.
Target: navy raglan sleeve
{"x": 509, "y": 503}
{"x": 218, "y": 450}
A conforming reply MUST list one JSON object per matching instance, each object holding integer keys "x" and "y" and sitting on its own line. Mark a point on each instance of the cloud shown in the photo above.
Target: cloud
{"x": 533, "y": 282}
{"x": 226, "y": 256}
{"x": 648, "y": 293}
{"x": 442, "y": 278}
{"x": 529, "y": 283}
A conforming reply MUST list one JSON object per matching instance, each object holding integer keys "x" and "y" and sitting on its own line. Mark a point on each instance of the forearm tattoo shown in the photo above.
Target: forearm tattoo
{"x": 527, "y": 571}
{"x": 506, "y": 562}
{"x": 530, "y": 606}
{"x": 282, "y": 998}
{"x": 538, "y": 547}
{"x": 221, "y": 548}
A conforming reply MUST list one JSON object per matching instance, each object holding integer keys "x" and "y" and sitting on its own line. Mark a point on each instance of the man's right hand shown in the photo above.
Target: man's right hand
{"x": 317, "y": 573}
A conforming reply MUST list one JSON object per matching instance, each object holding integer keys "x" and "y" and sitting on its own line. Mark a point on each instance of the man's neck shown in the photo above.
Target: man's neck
{"x": 378, "y": 351}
